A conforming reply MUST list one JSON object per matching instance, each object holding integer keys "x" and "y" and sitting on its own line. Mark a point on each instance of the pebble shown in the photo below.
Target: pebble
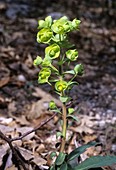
{"x": 21, "y": 78}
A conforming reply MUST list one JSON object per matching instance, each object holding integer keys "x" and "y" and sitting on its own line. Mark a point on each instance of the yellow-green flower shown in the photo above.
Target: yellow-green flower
{"x": 76, "y": 23}
{"x": 52, "y": 51}
{"x": 61, "y": 85}
{"x": 44, "y": 75}
{"x": 44, "y": 35}
{"x": 61, "y": 26}
{"x": 52, "y": 105}
{"x": 45, "y": 24}
{"x": 72, "y": 54}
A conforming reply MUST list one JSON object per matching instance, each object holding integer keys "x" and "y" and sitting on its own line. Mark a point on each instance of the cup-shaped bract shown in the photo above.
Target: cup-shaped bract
{"x": 52, "y": 51}
{"x": 79, "y": 69}
{"x": 52, "y": 105}
{"x": 44, "y": 75}
{"x": 72, "y": 54}
{"x": 61, "y": 26}
{"x": 45, "y": 24}
{"x": 37, "y": 61}
{"x": 44, "y": 35}
{"x": 61, "y": 85}
{"x": 76, "y": 24}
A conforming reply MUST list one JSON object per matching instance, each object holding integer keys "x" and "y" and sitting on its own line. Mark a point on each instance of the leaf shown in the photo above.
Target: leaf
{"x": 70, "y": 111}
{"x": 60, "y": 158}
{"x": 63, "y": 166}
{"x": 73, "y": 117}
{"x": 70, "y": 72}
{"x": 52, "y": 168}
{"x": 64, "y": 99}
{"x": 95, "y": 162}
{"x": 80, "y": 150}
{"x": 58, "y": 134}
{"x": 52, "y": 154}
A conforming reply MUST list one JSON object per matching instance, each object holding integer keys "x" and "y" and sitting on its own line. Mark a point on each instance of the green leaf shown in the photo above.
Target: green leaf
{"x": 73, "y": 117}
{"x": 60, "y": 159}
{"x": 70, "y": 111}
{"x": 95, "y": 162}
{"x": 76, "y": 152}
{"x": 58, "y": 134}
{"x": 52, "y": 168}
{"x": 69, "y": 167}
{"x": 63, "y": 166}
{"x": 55, "y": 110}
{"x": 64, "y": 99}
{"x": 70, "y": 72}
{"x": 52, "y": 154}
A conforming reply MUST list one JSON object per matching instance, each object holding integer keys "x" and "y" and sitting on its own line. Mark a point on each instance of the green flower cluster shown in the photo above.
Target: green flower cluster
{"x": 55, "y": 30}
{"x": 54, "y": 33}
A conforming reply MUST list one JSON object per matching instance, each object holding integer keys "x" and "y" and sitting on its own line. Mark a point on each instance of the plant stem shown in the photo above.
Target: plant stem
{"x": 64, "y": 127}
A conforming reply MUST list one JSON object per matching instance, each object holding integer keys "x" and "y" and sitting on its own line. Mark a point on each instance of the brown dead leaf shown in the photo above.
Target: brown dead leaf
{"x": 3, "y": 151}
{"x": 4, "y": 81}
{"x": 41, "y": 106}
{"x": 28, "y": 155}
{"x": 85, "y": 125}
{"x": 12, "y": 168}
{"x": 22, "y": 120}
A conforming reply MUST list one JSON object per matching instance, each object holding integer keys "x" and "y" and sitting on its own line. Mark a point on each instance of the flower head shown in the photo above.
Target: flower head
{"x": 52, "y": 51}
{"x": 61, "y": 26}
{"x": 61, "y": 85}
{"x": 72, "y": 54}
{"x": 44, "y": 75}
{"x": 44, "y": 35}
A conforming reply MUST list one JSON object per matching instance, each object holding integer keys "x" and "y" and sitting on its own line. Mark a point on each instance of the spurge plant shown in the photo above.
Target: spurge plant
{"x": 54, "y": 68}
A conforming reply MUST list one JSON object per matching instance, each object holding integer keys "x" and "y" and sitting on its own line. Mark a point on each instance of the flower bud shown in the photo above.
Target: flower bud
{"x": 79, "y": 69}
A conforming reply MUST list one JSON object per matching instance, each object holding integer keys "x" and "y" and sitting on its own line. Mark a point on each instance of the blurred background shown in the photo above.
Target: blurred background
{"x": 96, "y": 40}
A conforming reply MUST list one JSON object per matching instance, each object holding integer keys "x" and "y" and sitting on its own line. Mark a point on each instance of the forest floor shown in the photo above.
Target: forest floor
{"x": 24, "y": 103}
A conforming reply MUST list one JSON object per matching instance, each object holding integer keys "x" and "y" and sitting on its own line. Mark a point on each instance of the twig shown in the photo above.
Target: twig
{"x": 9, "y": 141}
{"x": 35, "y": 129}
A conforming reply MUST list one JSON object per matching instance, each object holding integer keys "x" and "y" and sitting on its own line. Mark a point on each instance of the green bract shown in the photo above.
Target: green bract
{"x": 45, "y": 24}
{"x": 79, "y": 69}
{"x": 76, "y": 23}
{"x": 44, "y": 35}
{"x": 61, "y": 85}
{"x": 72, "y": 54}
{"x": 44, "y": 74}
{"x": 52, "y": 105}
{"x": 37, "y": 61}
{"x": 46, "y": 62}
{"x": 61, "y": 26}
{"x": 52, "y": 51}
